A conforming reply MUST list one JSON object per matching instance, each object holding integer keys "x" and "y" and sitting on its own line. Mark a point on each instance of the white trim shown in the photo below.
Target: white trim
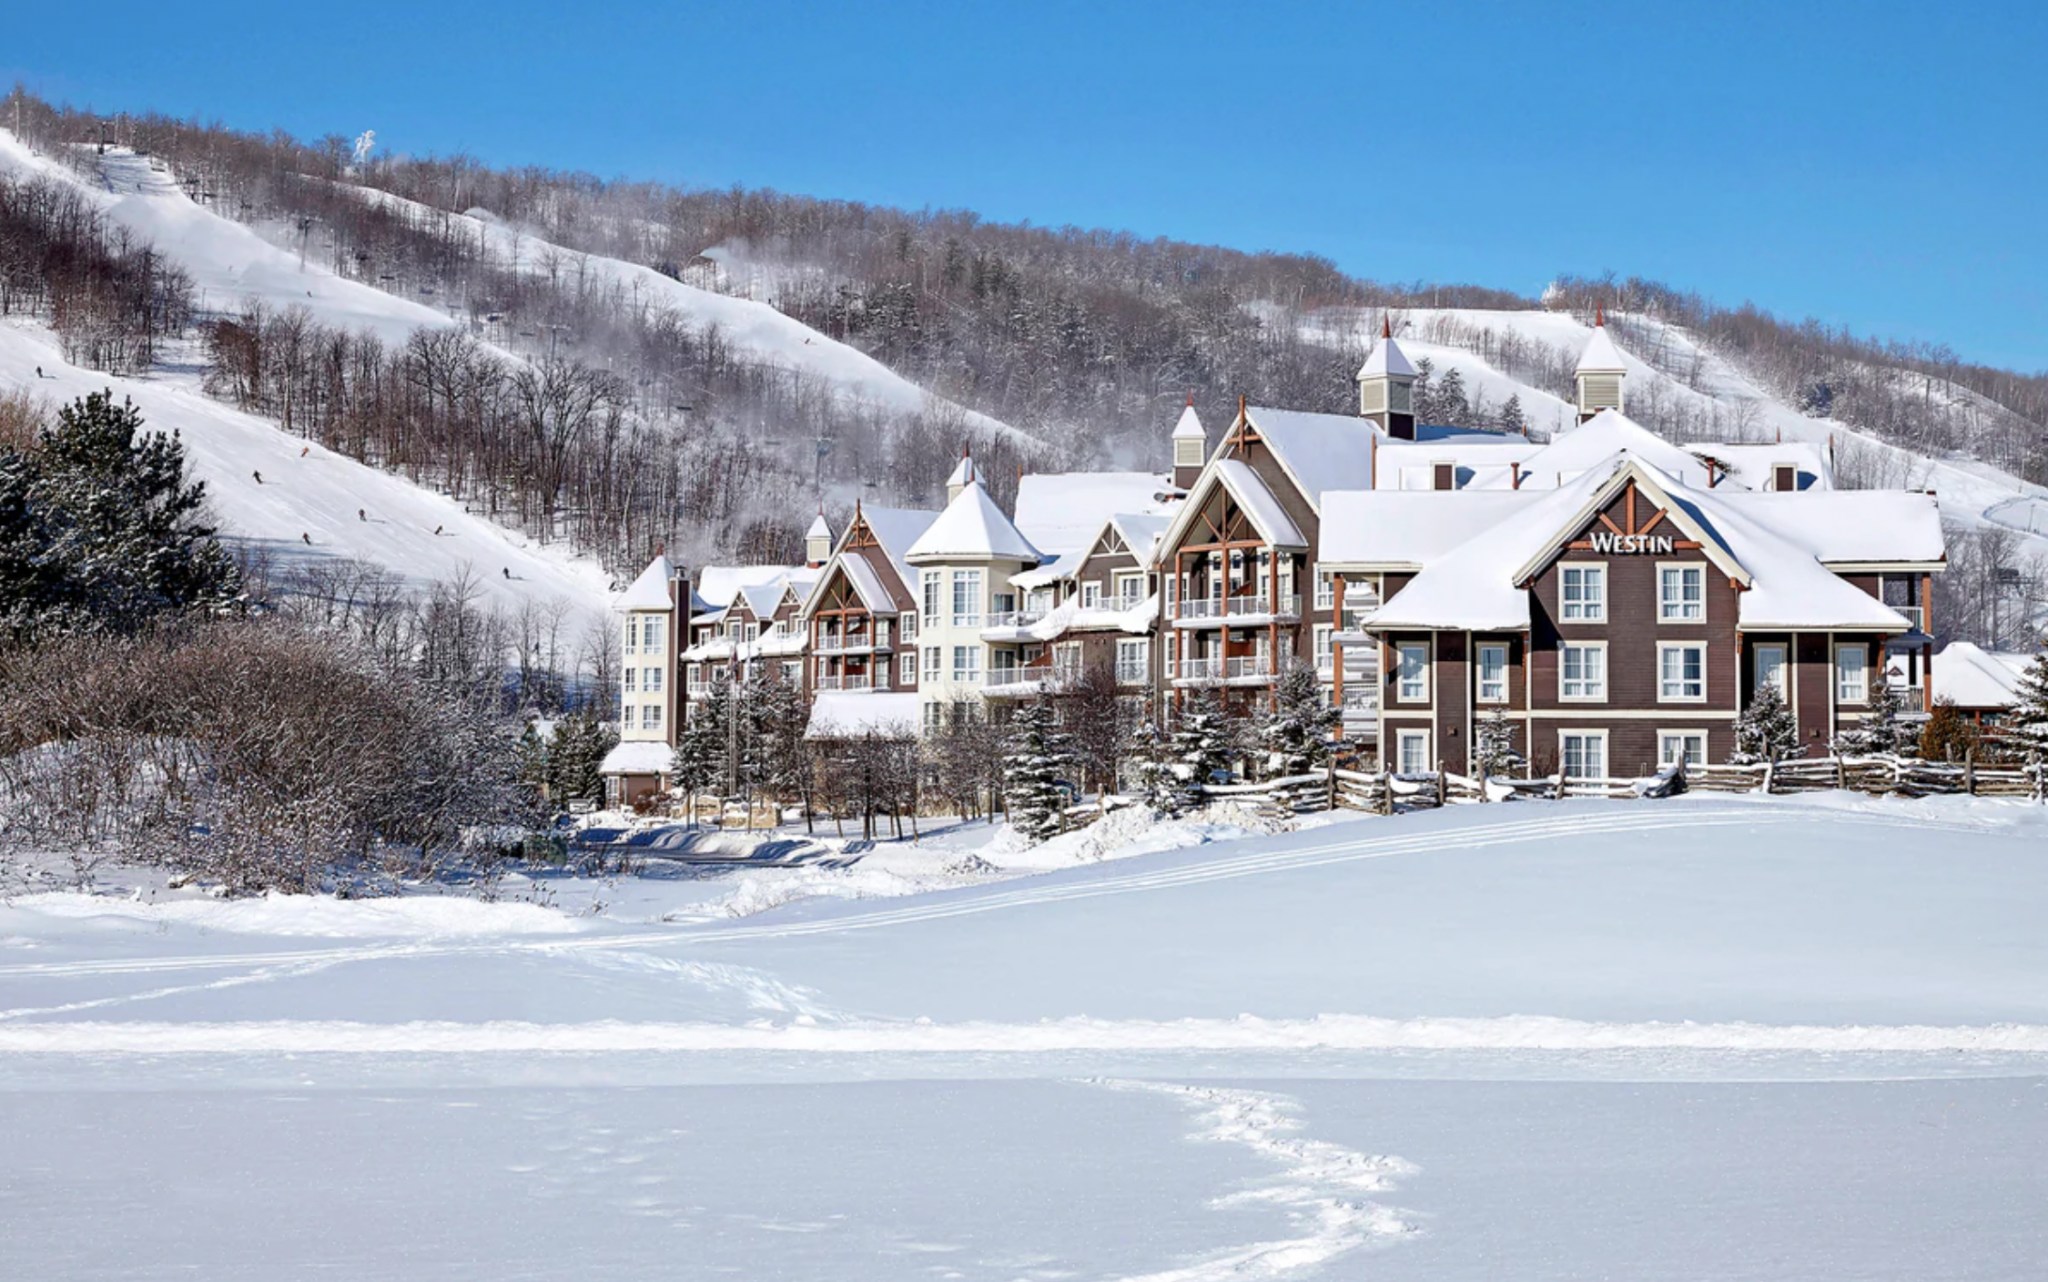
{"x": 1599, "y": 567}
{"x": 1784, "y": 682}
{"x": 1681, "y": 620}
{"x": 1664, "y": 733}
{"x": 1601, "y": 735}
{"x": 1479, "y": 673}
{"x": 1402, "y": 737}
{"x": 1565, "y": 644}
{"x": 1633, "y": 714}
{"x": 1428, "y": 649}
{"x": 1712, "y": 548}
{"x": 1663, "y": 647}
{"x": 1862, "y": 651}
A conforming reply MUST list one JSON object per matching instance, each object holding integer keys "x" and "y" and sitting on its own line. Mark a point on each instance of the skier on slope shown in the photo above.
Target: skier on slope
{"x": 258, "y": 476}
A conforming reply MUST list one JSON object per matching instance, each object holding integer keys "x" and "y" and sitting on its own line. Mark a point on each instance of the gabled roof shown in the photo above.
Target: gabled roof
{"x": 1386, "y": 360}
{"x": 1140, "y": 531}
{"x": 1601, "y": 355}
{"x": 1271, "y": 520}
{"x": 1189, "y": 425}
{"x": 1596, "y": 441}
{"x": 1750, "y": 466}
{"x": 963, "y": 472}
{"x": 719, "y": 585}
{"x": 867, "y": 584}
{"x": 1062, "y": 511}
{"x": 896, "y": 528}
{"x": 1663, "y": 490}
{"x": 1972, "y": 677}
{"x": 651, "y": 590}
{"x": 1408, "y": 529}
{"x": 1483, "y": 462}
{"x": 1848, "y": 528}
{"x": 972, "y": 528}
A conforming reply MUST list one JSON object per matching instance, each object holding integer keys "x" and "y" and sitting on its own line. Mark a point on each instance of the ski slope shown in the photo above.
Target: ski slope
{"x": 1769, "y": 1037}
{"x": 311, "y": 504}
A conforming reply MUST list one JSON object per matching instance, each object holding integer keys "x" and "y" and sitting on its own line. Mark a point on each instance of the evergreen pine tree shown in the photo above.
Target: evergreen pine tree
{"x": 1296, "y": 732}
{"x": 783, "y": 718}
{"x": 1766, "y": 732}
{"x": 1511, "y": 415}
{"x": 1424, "y": 394}
{"x": 575, "y": 755}
{"x": 1036, "y": 757}
{"x": 1948, "y": 734}
{"x": 1883, "y": 731}
{"x": 2026, "y": 726}
{"x": 533, "y": 763}
{"x": 1205, "y": 740}
{"x": 702, "y": 757}
{"x": 1494, "y": 745}
{"x": 100, "y": 531}
{"x": 1149, "y": 769}
{"x": 1451, "y": 407}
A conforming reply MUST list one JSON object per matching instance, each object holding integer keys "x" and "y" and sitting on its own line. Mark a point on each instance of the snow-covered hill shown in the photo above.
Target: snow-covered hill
{"x": 1727, "y": 404}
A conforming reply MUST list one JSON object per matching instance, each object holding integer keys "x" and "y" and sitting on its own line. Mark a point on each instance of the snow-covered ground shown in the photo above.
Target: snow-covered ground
{"x": 1726, "y": 1037}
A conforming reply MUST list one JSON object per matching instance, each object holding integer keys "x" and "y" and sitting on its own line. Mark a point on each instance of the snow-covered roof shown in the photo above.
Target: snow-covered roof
{"x": 1846, "y": 528}
{"x": 1397, "y": 529}
{"x": 651, "y": 590}
{"x": 1386, "y": 359}
{"x": 719, "y": 585}
{"x": 1189, "y": 425}
{"x": 1592, "y": 444}
{"x": 963, "y": 472}
{"x": 638, "y": 757}
{"x": 1483, "y": 462}
{"x": 867, "y": 584}
{"x": 896, "y": 528}
{"x": 763, "y": 598}
{"x": 1475, "y": 584}
{"x": 1601, "y": 355}
{"x": 1141, "y": 531}
{"x": 842, "y": 714}
{"x": 1972, "y": 677}
{"x": 972, "y": 528}
{"x": 1061, "y": 511}
{"x": 1319, "y": 451}
{"x": 1271, "y": 519}
{"x": 819, "y": 529}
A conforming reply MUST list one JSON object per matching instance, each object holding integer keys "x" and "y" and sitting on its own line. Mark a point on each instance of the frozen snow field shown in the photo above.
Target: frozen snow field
{"x": 1724, "y": 1038}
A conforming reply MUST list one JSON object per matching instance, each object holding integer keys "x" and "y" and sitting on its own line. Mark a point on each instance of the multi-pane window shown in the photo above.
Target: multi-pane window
{"x": 906, "y": 669}
{"x": 1583, "y": 593}
{"x": 650, "y": 680}
{"x": 906, "y": 624}
{"x": 1412, "y": 752}
{"x": 1582, "y": 671}
{"x": 1682, "y": 673}
{"x": 931, "y": 597}
{"x": 931, "y": 662}
{"x": 1583, "y": 755}
{"x": 967, "y": 598}
{"x": 934, "y": 717}
{"x": 1413, "y": 675}
{"x": 631, "y": 675}
{"x": 967, "y": 663}
{"x": 1770, "y": 668}
{"x": 1852, "y": 674}
{"x": 1325, "y": 660}
{"x": 650, "y": 716}
{"x": 1681, "y": 593}
{"x": 632, "y": 633}
{"x": 1130, "y": 590}
{"x": 1688, "y": 747}
{"x": 1326, "y": 591}
{"x": 1493, "y": 674}
{"x": 1131, "y": 661}
{"x": 1091, "y": 595}
{"x": 650, "y": 636}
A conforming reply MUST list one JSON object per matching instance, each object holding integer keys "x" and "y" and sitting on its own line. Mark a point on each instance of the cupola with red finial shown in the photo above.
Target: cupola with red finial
{"x": 1386, "y": 386}
{"x": 1600, "y": 372}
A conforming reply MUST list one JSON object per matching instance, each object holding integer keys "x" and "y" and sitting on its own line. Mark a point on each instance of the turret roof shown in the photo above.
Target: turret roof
{"x": 973, "y": 527}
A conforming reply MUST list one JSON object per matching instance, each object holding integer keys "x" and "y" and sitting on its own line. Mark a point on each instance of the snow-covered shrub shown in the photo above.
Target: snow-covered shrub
{"x": 1766, "y": 732}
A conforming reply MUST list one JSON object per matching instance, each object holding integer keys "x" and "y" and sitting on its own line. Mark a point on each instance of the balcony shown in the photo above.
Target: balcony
{"x": 1013, "y": 619}
{"x": 857, "y": 681}
{"x": 1237, "y": 669}
{"x": 1915, "y": 615}
{"x": 1216, "y": 612}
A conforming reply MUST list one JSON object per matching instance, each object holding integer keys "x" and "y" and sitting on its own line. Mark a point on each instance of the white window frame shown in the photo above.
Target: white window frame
{"x": 906, "y": 668}
{"x": 650, "y": 716}
{"x": 631, "y": 685}
{"x": 1587, "y": 695}
{"x": 1130, "y": 588}
{"x": 1673, "y": 611}
{"x": 1861, "y": 689}
{"x": 934, "y": 662}
{"x": 1132, "y": 653}
{"x": 1479, "y": 671}
{"x": 1676, "y": 647}
{"x": 650, "y": 681}
{"x": 1564, "y": 738}
{"x": 1402, "y": 740}
{"x": 1784, "y": 674}
{"x": 1416, "y": 691}
{"x": 1325, "y": 650}
{"x": 934, "y": 581}
{"x": 1665, "y": 738}
{"x": 970, "y": 670}
{"x": 1091, "y": 596}
{"x": 1593, "y": 609}
{"x": 650, "y": 636}
{"x": 906, "y": 625}
{"x": 967, "y": 583}
{"x": 632, "y": 634}
{"x": 1326, "y": 590}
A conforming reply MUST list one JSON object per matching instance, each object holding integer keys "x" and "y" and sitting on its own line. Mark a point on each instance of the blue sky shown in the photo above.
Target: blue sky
{"x": 1879, "y": 165}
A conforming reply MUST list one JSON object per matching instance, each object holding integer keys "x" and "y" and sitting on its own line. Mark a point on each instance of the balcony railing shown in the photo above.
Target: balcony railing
{"x": 1199, "y": 670}
{"x": 1247, "y": 665}
{"x": 1013, "y": 619}
{"x": 1251, "y": 605}
{"x": 1915, "y": 615}
{"x": 858, "y": 681}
